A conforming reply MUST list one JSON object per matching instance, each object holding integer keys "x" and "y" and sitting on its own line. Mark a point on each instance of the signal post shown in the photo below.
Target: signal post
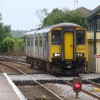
{"x": 77, "y": 85}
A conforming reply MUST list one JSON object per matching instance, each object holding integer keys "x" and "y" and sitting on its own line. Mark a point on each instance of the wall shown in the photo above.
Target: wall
{"x": 91, "y": 52}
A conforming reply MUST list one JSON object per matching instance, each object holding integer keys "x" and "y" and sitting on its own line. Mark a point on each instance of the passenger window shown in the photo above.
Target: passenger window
{"x": 31, "y": 41}
{"x": 80, "y": 37}
{"x": 40, "y": 43}
{"x": 40, "y": 38}
{"x": 36, "y": 41}
{"x": 28, "y": 41}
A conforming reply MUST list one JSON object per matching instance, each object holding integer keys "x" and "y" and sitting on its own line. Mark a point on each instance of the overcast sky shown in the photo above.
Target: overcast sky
{"x": 21, "y": 14}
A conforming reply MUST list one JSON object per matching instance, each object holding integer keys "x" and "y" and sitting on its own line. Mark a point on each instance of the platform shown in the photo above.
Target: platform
{"x": 8, "y": 90}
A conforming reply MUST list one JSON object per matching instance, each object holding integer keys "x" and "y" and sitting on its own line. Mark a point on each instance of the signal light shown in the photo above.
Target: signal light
{"x": 77, "y": 84}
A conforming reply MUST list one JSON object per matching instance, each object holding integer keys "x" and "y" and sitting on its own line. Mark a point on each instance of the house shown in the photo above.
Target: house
{"x": 93, "y": 18}
{"x": 94, "y": 39}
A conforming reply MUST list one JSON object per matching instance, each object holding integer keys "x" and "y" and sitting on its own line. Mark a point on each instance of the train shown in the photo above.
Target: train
{"x": 59, "y": 49}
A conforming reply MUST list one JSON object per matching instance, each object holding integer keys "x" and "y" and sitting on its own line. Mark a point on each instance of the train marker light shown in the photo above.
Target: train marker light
{"x": 77, "y": 85}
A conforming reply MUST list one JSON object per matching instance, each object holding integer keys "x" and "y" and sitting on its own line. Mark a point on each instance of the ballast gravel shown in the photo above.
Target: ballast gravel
{"x": 67, "y": 93}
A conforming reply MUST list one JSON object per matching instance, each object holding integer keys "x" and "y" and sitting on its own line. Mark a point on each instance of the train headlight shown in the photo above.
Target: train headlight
{"x": 56, "y": 54}
{"x": 80, "y": 54}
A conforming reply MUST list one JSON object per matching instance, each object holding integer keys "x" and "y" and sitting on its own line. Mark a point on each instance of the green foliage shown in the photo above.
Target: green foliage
{"x": 56, "y": 16}
{"x": 65, "y": 15}
{"x": 20, "y": 43}
{"x": 6, "y": 44}
{"x": 5, "y": 31}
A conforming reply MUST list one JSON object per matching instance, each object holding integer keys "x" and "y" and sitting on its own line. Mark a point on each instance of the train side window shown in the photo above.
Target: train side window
{"x": 80, "y": 37}
{"x": 56, "y": 37}
{"x": 45, "y": 41}
{"x": 40, "y": 43}
{"x": 36, "y": 41}
{"x": 31, "y": 41}
{"x": 40, "y": 40}
{"x": 28, "y": 41}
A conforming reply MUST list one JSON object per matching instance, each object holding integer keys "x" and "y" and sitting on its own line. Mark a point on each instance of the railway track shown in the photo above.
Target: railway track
{"x": 18, "y": 66}
{"x": 89, "y": 87}
{"x": 9, "y": 69}
{"x": 40, "y": 86}
{"x": 62, "y": 81}
{"x": 86, "y": 89}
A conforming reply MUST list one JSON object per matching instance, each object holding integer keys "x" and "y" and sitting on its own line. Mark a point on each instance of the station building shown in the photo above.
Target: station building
{"x": 93, "y": 18}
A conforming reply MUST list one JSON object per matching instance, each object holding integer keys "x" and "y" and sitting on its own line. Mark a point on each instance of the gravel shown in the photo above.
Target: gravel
{"x": 66, "y": 92}
{"x": 89, "y": 88}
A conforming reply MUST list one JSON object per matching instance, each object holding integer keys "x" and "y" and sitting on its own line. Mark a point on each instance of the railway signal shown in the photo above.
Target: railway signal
{"x": 77, "y": 85}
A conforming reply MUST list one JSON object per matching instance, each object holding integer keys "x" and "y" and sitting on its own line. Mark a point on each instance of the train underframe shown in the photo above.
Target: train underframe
{"x": 59, "y": 67}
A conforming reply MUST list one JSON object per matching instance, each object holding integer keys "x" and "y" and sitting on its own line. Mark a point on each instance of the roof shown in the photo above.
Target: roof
{"x": 47, "y": 29}
{"x": 84, "y": 10}
{"x": 93, "y": 13}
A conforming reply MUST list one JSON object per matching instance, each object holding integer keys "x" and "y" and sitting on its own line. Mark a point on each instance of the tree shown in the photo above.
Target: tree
{"x": 5, "y": 30}
{"x": 7, "y": 44}
{"x": 56, "y": 16}
{"x": 76, "y": 17}
{"x": 20, "y": 42}
{"x": 41, "y": 15}
{"x": 19, "y": 46}
{"x": 65, "y": 15}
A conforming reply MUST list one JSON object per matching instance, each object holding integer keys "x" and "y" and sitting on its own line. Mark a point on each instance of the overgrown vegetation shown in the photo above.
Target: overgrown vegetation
{"x": 61, "y": 16}
{"x": 8, "y": 44}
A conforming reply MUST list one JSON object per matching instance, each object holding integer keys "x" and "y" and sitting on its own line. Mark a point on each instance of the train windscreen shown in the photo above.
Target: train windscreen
{"x": 80, "y": 37}
{"x": 56, "y": 37}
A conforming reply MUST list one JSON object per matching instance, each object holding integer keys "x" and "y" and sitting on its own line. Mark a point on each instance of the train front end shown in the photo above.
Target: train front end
{"x": 68, "y": 49}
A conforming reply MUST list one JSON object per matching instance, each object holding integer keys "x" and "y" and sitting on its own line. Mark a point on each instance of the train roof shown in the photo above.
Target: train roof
{"x": 31, "y": 32}
{"x": 47, "y": 29}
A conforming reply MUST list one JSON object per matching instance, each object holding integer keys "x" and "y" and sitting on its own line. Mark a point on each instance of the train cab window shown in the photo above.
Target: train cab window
{"x": 80, "y": 37}
{"x": 56, "y": 37}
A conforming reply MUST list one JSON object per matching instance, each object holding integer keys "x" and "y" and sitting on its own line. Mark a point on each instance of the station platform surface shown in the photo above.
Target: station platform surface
{"x": 8, "y": 90}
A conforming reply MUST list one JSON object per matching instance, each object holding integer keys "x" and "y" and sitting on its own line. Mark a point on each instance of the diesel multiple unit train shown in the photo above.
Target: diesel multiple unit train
{"x": 60, "y": 48}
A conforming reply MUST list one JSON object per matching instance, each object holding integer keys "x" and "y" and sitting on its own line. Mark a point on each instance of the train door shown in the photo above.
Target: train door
{"x": 68, "y": 46}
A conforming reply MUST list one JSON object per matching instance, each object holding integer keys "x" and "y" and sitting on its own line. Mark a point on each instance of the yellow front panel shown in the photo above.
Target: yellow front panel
{"x": 54, "y": 48}
{"x": 84, "y": 48}
{"x": 68, "y": 46}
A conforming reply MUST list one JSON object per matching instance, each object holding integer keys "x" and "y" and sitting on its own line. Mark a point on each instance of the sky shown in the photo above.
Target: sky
{"x": 21, "y": 14}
